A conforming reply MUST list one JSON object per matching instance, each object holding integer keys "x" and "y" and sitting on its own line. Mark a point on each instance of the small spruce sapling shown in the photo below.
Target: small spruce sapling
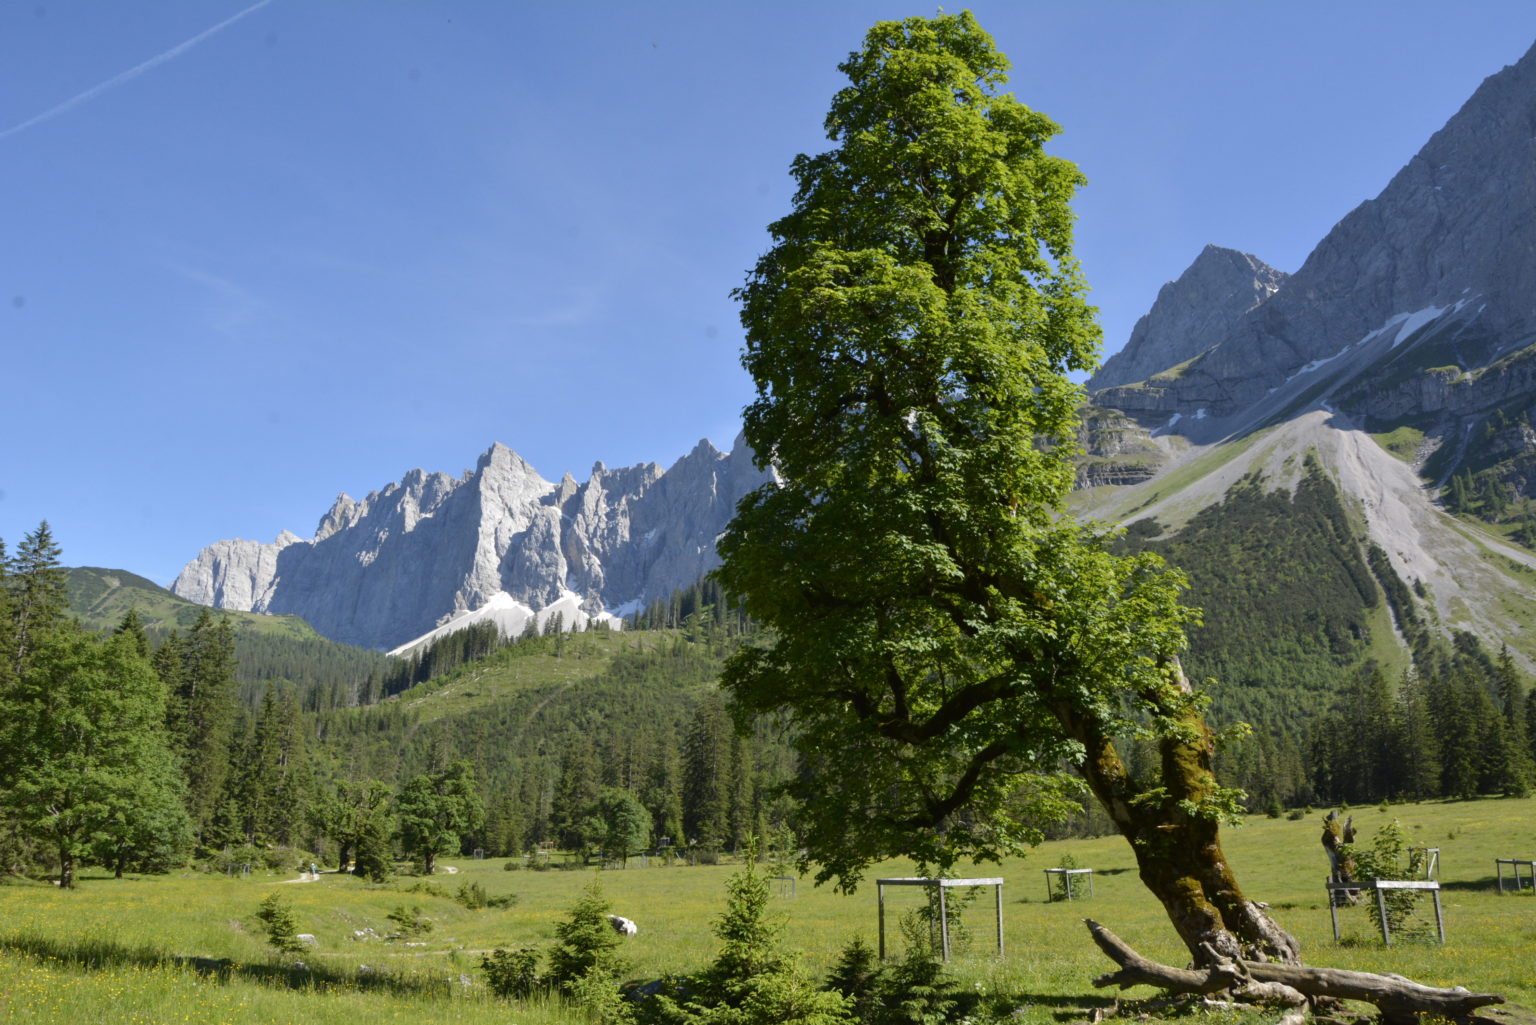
{"x": 587, "y": 944}
{"x": 753, "y": 980}
{"x": 276, "y": 915}
{"x": 858, "y": 976}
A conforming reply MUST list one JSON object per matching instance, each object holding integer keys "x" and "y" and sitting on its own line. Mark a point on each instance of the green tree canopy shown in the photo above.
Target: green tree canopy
{"x": 87, "y": 771}
{"x": 436, "y": 809}
{"x": 943, "y": 636}
{"x": 624, "y": 824}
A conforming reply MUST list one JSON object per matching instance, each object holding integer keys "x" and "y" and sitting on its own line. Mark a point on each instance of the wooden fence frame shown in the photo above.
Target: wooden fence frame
{"x": 941, "y": 885}
{"x": 1381, "y": 902}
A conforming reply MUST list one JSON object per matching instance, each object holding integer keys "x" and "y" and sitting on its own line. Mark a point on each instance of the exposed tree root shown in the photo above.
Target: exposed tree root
{"x": 1401, "y": 1001}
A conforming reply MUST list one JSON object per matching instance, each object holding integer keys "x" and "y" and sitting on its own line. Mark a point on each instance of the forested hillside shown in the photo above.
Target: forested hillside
{"x": 608, "y": 742}
{"x": 1353, "y": 691}
{"x": 268, "y": 649}
{"x": 1288, "y": 603}
{"x": 599, "y": 743}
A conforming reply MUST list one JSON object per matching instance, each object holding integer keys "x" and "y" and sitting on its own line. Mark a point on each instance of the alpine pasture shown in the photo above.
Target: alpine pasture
{"x": 188, "y": 947}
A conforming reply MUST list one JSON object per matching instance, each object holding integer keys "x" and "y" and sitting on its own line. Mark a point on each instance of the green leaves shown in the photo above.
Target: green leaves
{"x": 933, "y": 614}
{"x": 435, "y": 809}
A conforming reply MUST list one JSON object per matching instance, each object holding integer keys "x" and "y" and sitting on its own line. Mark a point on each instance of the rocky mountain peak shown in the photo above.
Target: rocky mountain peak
{"x": 432, "y": 549}
{"x": 1453, "y": 233}
{"x": 1192, "y": 313}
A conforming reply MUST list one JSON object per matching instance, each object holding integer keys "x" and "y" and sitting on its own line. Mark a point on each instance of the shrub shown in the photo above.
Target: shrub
{"x": 511, "y": 974}
{"x": 1070, "y": 886}
{"x": 257, "y": 857}
{"x": 1389, "y": 858}
{"x": 474, "y": 897}
{"x": 410, "y": 921}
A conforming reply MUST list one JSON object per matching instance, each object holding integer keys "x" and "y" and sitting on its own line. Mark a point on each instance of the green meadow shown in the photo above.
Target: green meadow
{"x": 188, "y": 947}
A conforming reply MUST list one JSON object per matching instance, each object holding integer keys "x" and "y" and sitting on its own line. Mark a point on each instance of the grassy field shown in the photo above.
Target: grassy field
{"x": 188, "y": 948}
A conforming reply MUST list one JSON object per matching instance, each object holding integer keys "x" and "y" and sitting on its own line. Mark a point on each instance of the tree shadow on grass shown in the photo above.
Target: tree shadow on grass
{"x": 1069, "y": 1008}
{"x": 1490, "y": 884}
{"x": 99, "y": 955}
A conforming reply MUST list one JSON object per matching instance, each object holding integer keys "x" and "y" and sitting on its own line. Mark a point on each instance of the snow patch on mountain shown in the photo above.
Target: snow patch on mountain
{"x": 512, "y": 617}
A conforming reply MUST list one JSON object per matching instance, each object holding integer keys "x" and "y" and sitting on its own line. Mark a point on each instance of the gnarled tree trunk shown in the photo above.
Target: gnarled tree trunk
{"x": 1401, "y": 1001}
{"x": 1175, "y": 835}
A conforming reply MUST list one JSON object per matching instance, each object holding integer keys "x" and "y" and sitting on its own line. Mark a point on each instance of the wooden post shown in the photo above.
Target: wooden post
{"x": 1381, "y": 907}
{"x": 1514, "y": 864}
{"x": 944, "y": 923}
{"x": 880, "y": 886}
{"x": 999, "y": 891}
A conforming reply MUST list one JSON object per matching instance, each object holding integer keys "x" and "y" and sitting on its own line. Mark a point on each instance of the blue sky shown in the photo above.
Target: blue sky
{"x": 254, "y": 256}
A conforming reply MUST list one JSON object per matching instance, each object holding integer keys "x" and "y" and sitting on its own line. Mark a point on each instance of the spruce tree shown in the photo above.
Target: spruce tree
{"x": 39, "y": 594}
{"x": 1417, "y": 755}
{"x": 753, "y": 980}
{"x": 662, "y": 792}
{"x": 1454, "y": 708}
{"x": 205, "y": 706}
{"x": 707, "y": 773}
{"x": 1512, "y": 700}
{"x": 576, "y": 790}
{"x": 587, "y": 948}
{"x": 132, "y": 625}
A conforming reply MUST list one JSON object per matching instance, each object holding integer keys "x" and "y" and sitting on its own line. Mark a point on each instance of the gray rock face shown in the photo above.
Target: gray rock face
{"x": 1456, "y": 225}
{"x": 1115, "y": 450}
{"x": 1191, "y": 314}
{"x": 384, "y": 570}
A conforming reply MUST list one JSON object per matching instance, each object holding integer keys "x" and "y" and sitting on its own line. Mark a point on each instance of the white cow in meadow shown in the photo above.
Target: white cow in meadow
{"x": 622, "y": 925}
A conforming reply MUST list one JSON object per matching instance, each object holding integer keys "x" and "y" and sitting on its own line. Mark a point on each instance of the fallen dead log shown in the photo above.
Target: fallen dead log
{"x": 1400, "y": 1000}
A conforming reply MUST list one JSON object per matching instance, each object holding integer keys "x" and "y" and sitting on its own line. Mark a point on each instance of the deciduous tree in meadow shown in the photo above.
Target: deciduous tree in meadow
{"x": 944, "y": 636}
{"x": 435, "y": 810}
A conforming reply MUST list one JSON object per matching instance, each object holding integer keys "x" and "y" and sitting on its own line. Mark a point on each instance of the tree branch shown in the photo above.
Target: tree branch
{"x": 1401, "y": 1001}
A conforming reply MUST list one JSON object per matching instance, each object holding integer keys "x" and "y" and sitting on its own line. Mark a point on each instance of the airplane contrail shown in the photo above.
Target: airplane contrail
{"x": 132, "y": 73}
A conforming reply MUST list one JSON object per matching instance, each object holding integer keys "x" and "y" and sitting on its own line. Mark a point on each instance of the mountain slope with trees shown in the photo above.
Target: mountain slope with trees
{"x": 269, "y": 649}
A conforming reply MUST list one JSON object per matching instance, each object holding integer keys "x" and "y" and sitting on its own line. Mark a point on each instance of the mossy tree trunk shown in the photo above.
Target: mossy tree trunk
{"x": 1175, "y": 833}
